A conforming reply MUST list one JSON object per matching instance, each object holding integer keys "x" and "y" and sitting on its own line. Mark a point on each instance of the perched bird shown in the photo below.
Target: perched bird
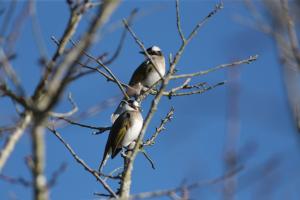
{"x": 125, "y": 129}
{"x": 146, "y": 74}
{"x": 122, "y": 107}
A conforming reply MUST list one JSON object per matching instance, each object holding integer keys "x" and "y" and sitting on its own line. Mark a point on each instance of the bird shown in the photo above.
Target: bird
{"x": 147, "y": 74}
{"x": 123, "y": 106}
{"x": 125, "y": 130}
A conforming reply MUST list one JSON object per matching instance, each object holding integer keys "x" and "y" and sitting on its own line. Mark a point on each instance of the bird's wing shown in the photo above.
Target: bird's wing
{"x": 140, "y": 73}
{"x": 118, "y": 133}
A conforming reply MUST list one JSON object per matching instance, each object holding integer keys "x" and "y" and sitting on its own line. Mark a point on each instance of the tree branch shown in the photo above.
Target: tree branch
{"x": 199, "y": 184}
{"x": 67, "y": 114}
{"x": 161, "y": 127}
{"x": 201, "y": 73}
{"x": 14, "y": 138}
{"x": 82, "y": 163}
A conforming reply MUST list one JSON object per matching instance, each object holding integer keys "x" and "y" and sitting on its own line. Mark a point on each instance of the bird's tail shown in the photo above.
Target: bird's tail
{"x": 103, "y": 162}
{"x": 134, "y": 91}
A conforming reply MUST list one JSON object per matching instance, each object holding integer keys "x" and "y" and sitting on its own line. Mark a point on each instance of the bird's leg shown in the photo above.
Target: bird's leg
{"x": 124, "y": 152}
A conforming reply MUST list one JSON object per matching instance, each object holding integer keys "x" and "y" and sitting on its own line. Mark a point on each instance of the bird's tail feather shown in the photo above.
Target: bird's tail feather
{"x": 103, "y": 162}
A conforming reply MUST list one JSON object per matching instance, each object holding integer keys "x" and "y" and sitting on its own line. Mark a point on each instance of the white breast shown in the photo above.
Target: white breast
{"x": 133, "y": 132}
{"x": 153, "y": 77}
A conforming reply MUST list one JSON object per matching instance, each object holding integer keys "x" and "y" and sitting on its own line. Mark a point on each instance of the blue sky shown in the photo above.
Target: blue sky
{"x": 192, "y": 147}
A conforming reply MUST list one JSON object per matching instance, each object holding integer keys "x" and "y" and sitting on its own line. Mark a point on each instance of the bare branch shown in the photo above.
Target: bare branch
{"x": 17, "y": 26}
{"x": 161, "y": 127}
{"x": 6, "y": 18}
{"x": 4, "y": 129}
{"x": 148, "y": 158}
{"x": 108, "y": 77}
{"x": 122, "y": 39}
{"x": 116, "y": 80}
{"x": 13, "y": 139}
{"x": 199, "y": 184}
{"x": 110, "y": 175}
{"x": 76, "y": 15}
{"x": 37, "y": 32}
{"x": 65, "y": 69}
{"x": 178, "y": 23}
{"x": 62, "y": 168}
{"x": 294, "y": 42}
{"x": 99, "y": 129}
{"x": 11, "y": 74}
{"x": 218, "y": 7}
{"x": 200, "y": 91}
{"x": 201, "y": 73}
{"x": 16, "y": 181}
{"x": 46, "y": 98}
{"x": 39, "y": 160}
{"x": 14, "y": 97}
{"x": 82, "y": 163}
{"x": 67, "y": 114}
{"x": 180, "y": 87}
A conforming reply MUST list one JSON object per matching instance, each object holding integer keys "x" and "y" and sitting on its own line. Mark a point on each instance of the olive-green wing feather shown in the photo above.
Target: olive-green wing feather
{"x": 115, "y": 138}
{"x": 118, "y": 133}
{"x": 140, "y": 73}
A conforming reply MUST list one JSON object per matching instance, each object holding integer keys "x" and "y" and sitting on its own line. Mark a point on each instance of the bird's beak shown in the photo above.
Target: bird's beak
{"x": 142, "y": 52}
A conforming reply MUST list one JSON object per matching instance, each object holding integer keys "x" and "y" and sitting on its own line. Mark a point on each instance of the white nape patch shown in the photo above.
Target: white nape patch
{"x": 136, "y": 104}
{"x": 155, "y": 48}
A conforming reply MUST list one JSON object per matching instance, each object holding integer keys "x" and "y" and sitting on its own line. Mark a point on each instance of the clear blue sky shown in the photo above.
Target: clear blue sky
{"x": 192, "y": 147}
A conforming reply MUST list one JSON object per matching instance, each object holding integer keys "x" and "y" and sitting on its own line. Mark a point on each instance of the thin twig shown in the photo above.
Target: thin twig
{"x": 62, "y": 168}
{"x": 218, "y": 7}
{"x": 99, "y": 129}
{"x": 75, "y": 17}
{"x": 178, "y": 23}
{"x": 66, "y": 114}
{"x": 198, "y": 184}
{"x": 122, "y": 39}
{"x": 16, "y": 181}
{"x": 6, "y": 19}
{"x": 161, "y": 127}
{"x": 196, "y": 91}
{"x": 4, "y": 129}
{"x": 98, "y": 61}
{"x": 10, "y": 72}
{"x": 110, "y": 175}
{"x": 201, "y": 73}
{"x": 101, "y": 57}
{"x": 16, "y": 98}
{"x": 108, "y": 77}
{"x": 82, "y": 163}
{"x": 148, "y": 158}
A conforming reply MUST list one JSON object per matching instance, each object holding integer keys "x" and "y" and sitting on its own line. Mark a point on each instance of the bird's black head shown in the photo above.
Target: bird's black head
{"x": 134, "y": 104}
{"x": 153, "y": 51}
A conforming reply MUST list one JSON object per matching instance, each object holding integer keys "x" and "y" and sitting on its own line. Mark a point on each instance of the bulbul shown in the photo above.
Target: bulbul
{"x": 146, "y": 74}
{"x": 122, "y": 107}
{"x": 125, "y": 129}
